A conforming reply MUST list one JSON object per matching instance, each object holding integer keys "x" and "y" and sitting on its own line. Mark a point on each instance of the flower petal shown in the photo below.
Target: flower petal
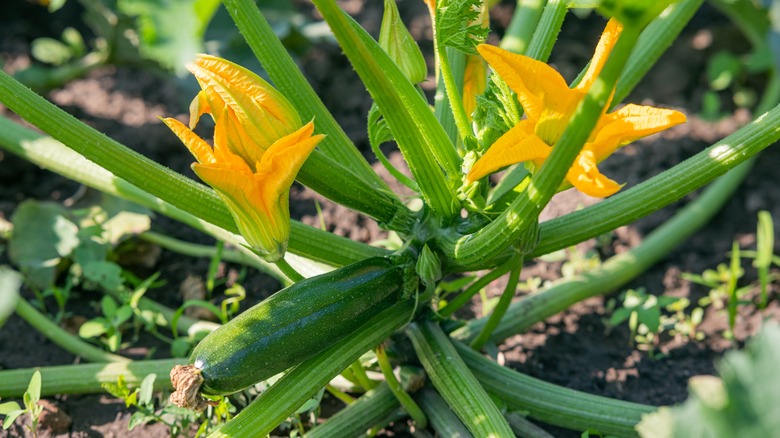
{"x": 232, "y": 147}
{"x": 278, "y": 167}
{"x": 538, "y": 86}
{"x": 474, "y": 83}
{"x": 197, "y": 146}
{"x": 516, "y": 146}
{"x": 585, "y": 177}
{"x": 630, "y": 123}
{"x": 606, "y": 43}
{"x": 262, "y": 222}
{"x": 263, "y": 111}
{"x": 199, "y": 106}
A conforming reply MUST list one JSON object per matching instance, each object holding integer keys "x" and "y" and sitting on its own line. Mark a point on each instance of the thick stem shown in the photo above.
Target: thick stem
{"x": 87, "y": 378}
{"x": 619, "y": 269}
{"x": 360, "y": 416}
{"x": 443, "y": 421}
{"x": 305, "y": 241}
{"x": 455, "y": 382}
{"x": 553, "y": 404}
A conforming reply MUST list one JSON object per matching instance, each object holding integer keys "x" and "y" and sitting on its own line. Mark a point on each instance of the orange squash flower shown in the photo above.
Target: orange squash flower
{"x": 259, "y": 146}
{"x": 549, "y": 103}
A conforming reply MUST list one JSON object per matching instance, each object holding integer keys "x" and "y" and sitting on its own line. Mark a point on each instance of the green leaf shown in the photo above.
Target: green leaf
{"x": 722, "y": 70}
{"x": 42, "y": 236}
{"x": 108, "y": 307}
{"x": 93, "y": 328}
{"x": 107, "y": 275}
{"x": 34, "y": 388}
{"x": 50, "y": 51}
{"x": 114, "y": 341}
{"x": 11, "y": 417}
{"x": 743, "y": 404}
{"x": 457, "y": 24}
{"x": 170, "y": 31}
{"x": 147, "y": 389}
{"x": 122, "y": 315}
{"x": 138, "y": 419}
{"x": 8, "y": 407}
{"x": 10, "y": 283}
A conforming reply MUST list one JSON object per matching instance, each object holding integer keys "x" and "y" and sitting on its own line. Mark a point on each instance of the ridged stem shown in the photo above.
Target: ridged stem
{"x": 87, "y": 378}
{"x": 427, "y": 150}
{"x": 288, "y": 79}
{"x": 455, "y": 382}
{"x": 299, "y": 384}
{"x": 499, "y": 310}
{"x": 661, "y": 190}
{"x": 354, "y": 420}
{"x": 442, "y": 420}
{"x": 619, "y": 269}
{"x": 306, "y": 241}
{"x": 553, "y": 404}
{"x": 547, "y": 30}
{"x": 523, "y": 427}
{"x": 68, "y": 342}
{"x": 403, "y": 397}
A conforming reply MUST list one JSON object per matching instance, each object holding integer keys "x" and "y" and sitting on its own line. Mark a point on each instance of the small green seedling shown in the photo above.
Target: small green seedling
{"x": 108, "y": 328}
{"x": 12, "y": 410}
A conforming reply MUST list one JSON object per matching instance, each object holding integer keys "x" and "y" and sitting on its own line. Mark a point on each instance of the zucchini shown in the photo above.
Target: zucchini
{"x": 296, "y": 323}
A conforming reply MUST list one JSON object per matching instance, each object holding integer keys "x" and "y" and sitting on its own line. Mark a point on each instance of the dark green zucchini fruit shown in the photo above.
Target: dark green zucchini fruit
{"x": 296, "y": 323}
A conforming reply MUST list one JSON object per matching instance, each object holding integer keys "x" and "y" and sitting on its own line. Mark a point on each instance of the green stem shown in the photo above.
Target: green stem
{"x": 431, "y": 156}
{"x": 289, "y": 80}
{"x": 355, "y": 419}
{"x": 464, "y": 297}
{"x": 441, "y": 103}
{"x": 520, "y": 30}
{"x": 403, "y": 397}
{"x": 288, "y": 270}
{"x": 266, "y": 412}
{"x": 522, "y": 427}
{"x": 361, "y": 376}
{"x": 455, "y": 382}
{"x": 453, "y": 92}
{"x": 46, "y": 152}
{"x": 499, "y": 310}
{"x": 87, "y": 378}
{"x": 661, "y": 190}
{"x": 340, "y": 395}
{"x": 553, "y": 404}
{"x": 443, "y": 421}
{"x": 205, "y": 251}
{"x": 547, "y": 30}
{"x": 618, "y": 270}
{"x": 68, "y": 342}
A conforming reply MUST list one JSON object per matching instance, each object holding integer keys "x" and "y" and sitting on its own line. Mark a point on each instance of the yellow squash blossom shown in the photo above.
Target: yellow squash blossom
{"x": 259, "y": 146}
{"x": 549, "y": 103}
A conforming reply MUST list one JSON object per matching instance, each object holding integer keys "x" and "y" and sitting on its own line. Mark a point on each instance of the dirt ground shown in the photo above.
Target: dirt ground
{"x": 574, "y": 349}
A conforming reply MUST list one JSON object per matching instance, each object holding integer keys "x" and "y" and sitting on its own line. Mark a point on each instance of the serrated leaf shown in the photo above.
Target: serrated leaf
{"x": 42, "y": 235}
{"x": 454, "y": 25}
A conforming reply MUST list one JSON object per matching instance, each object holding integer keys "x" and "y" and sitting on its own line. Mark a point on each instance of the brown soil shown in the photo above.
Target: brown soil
{"x": 574, "y": 349}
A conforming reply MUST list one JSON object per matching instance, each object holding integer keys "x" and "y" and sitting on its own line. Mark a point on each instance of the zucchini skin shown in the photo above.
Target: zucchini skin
{"x": 295, "y": 324}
